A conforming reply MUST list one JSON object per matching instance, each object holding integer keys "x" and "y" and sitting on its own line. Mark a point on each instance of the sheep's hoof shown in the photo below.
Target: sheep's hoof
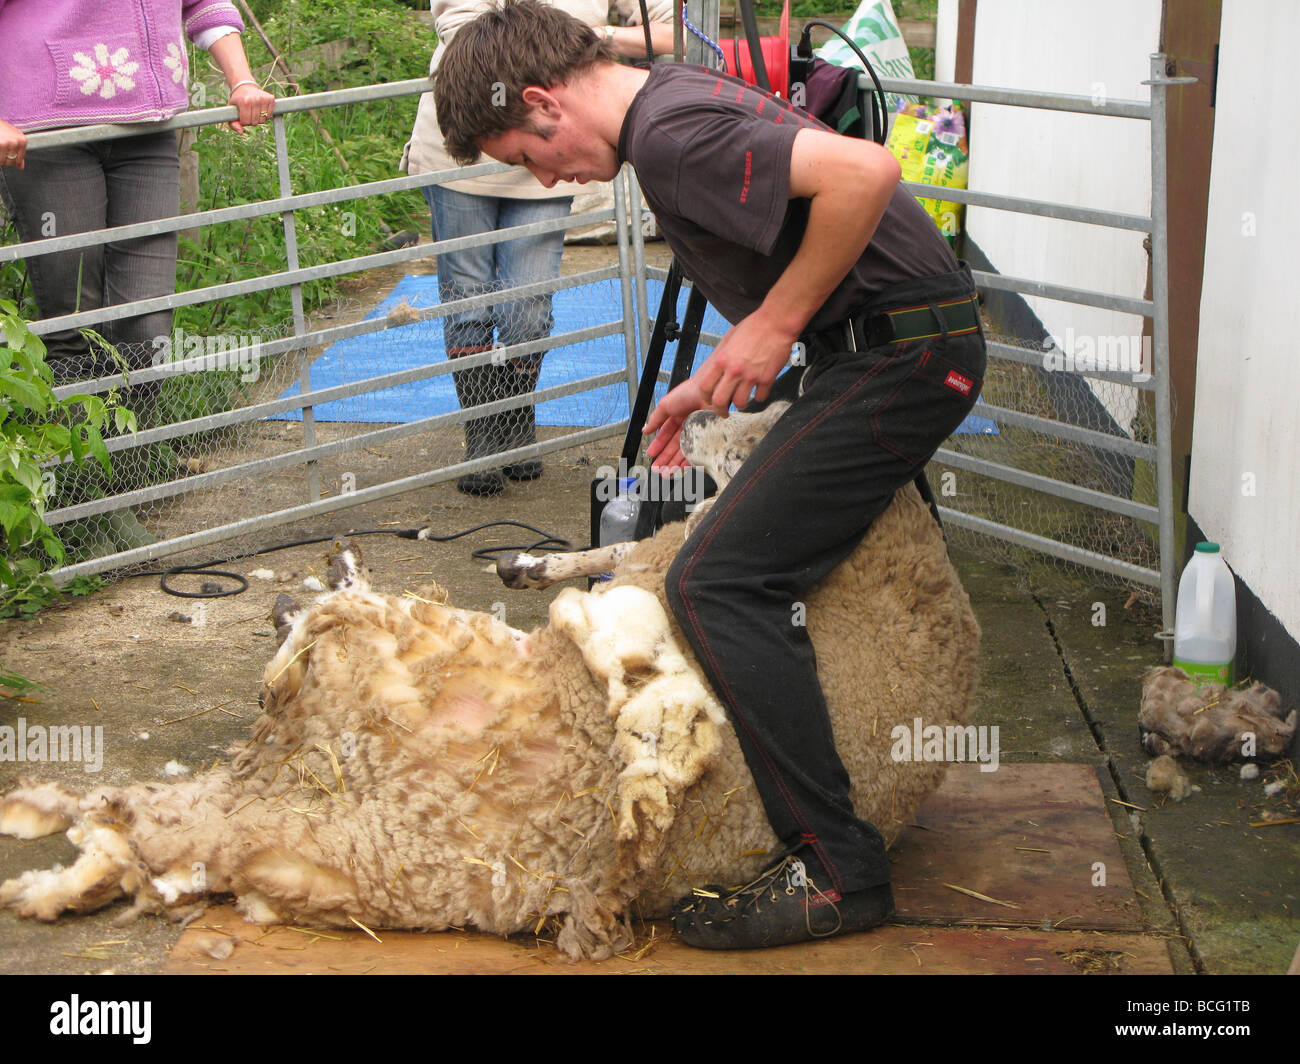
{"x": 522, "y": 572}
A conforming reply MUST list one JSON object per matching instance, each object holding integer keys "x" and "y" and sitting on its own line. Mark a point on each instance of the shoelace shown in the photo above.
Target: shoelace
{"x": 796, "y": 878}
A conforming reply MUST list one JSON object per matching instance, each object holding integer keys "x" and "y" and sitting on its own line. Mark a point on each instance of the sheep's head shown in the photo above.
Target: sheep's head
{"x": 721, "y": 445}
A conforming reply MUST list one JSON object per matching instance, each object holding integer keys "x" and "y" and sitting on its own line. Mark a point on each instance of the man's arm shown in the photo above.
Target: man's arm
{"x": 849, "y": 183}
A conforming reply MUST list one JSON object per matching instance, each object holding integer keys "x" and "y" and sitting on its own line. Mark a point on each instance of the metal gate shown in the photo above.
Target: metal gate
{"x": 1103, "y": 466}
{"x": 1093, "y": 453}
{"x": 275, "y": 426}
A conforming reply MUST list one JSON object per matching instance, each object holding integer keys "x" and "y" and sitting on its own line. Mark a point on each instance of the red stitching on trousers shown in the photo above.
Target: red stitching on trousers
{"x": 795, "y": 811}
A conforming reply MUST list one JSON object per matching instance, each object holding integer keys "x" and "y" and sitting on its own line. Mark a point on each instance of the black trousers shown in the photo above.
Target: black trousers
{"x": 864, "y": 425}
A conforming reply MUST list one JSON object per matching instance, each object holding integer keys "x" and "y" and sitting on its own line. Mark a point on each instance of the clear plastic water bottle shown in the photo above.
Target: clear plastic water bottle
{"x": 618, "y": 518}
{"x": 1205, "y": 624}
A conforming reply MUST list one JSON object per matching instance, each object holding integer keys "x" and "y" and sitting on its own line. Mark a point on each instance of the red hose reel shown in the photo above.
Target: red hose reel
{"x": 776, "y": 57}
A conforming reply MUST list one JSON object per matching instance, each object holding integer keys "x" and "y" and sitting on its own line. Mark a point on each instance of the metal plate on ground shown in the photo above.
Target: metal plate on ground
{"x": 1036, "y": 838}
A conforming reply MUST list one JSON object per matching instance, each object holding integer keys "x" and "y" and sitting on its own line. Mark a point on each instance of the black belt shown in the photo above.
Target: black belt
{"x": 900, "y": 325}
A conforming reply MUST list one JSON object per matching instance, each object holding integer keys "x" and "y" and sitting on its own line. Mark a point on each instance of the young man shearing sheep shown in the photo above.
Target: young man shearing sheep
{"x": 798, "y": 236}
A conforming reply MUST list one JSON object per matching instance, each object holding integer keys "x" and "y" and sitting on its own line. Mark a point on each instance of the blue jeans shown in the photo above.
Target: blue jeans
{"x": 864, "y": 425}
{"x": 93, "y": 186}
{"x": 488, "y": 268}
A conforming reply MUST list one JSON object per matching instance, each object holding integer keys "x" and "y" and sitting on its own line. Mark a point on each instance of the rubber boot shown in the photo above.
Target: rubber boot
{"x": 519, "y": 426}
{"x": 474, "y": 386}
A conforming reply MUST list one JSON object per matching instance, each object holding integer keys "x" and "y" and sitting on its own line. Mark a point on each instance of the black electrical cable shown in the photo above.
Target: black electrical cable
{"x": 486, "y": 553}
{"x": 880, "y": 127}
{"x": 645, "y": 25}
{"x": 424, "y": 533}
{"x": 198, "y": 570}
{"x": 755, "y": 46}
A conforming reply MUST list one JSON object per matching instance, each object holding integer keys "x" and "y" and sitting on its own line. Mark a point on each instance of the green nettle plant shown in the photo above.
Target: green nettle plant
{"x": 360, "y": 142}
{"x": 39, "y": 434}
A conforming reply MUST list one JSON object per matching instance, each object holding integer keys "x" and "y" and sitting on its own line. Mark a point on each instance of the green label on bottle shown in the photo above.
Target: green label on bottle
{"x": 1207, "y": 673}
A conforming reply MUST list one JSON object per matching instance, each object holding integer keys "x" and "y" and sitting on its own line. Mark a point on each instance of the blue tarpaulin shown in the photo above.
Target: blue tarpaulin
{"x": 410, "y": 346}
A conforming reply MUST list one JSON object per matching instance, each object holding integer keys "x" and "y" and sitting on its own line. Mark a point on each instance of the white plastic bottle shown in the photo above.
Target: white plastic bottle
{"x": 1205, "y": 624}
{"x": 618, "y": 518}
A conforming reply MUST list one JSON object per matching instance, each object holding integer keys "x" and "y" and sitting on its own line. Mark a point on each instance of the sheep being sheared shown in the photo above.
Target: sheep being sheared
{"x": 420, "y": 766}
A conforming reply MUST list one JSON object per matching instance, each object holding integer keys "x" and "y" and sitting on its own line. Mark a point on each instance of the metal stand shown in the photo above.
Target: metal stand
{"x": 666, "y": 329}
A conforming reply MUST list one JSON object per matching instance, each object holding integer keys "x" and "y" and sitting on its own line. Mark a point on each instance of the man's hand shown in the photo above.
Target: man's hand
{"x": 665, "y": 450}
{"x": 743, "y": 366}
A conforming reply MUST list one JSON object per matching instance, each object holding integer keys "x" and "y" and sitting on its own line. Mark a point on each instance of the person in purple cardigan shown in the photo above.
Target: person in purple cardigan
{"x": 82, "y": 62}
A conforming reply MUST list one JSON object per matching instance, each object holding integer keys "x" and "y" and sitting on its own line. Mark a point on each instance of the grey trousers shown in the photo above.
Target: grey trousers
{"x": 93, "y": 186}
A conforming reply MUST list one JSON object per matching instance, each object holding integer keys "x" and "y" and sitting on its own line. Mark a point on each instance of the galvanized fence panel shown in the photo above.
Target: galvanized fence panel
{"x": 220, "y": 459}
{"x": 1058, "y": 480}
{"x": 1051, "y": 482}
{"x": 1042, "y": 449}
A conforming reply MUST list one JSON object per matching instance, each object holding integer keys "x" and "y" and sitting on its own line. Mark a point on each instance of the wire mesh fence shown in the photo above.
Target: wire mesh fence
{"x": 1035, "y": 401}
{"x": 262, "y": 396}
{"x": 545, "y": 367}
{"x": 245, "y": 424}
{"x": 1108, "y": 428}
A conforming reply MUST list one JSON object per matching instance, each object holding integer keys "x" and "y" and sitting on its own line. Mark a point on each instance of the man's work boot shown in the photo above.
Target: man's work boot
{"x": 791, "y": 902}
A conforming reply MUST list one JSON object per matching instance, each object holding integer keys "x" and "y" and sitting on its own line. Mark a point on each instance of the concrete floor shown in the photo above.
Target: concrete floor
{"x": 1215, "y": 893}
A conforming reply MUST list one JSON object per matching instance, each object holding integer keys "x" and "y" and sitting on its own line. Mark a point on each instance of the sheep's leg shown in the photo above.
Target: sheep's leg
{"x": 347, "y": 571}
{"x": 106, "y": 869}
{"x": 522, "y": 571}
{"x": 34, "y": 810}
{"x": 283, "y": 614}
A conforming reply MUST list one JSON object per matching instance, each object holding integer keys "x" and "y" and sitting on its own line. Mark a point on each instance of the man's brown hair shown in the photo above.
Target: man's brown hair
{"x": 481, "y": 77}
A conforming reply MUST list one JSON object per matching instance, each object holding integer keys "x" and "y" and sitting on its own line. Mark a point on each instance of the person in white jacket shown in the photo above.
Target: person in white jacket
{"x": 499, "y": 201}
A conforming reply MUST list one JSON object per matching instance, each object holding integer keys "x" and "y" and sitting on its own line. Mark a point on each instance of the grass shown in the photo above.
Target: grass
{"x": 366, "y": 144}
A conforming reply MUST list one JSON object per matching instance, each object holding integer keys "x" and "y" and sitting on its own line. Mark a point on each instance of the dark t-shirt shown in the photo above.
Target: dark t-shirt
{"x": 713, "y": 158}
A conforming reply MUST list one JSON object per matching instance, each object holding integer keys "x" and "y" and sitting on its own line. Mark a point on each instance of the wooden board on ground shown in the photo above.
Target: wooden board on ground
{"x": 1036, "y": 837}
{"x": 1029, "y": 836}
{"x": 892, "y": 949}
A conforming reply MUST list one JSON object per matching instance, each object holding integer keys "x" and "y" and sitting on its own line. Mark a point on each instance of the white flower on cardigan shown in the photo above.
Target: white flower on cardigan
{"x": 175, "y": 62}
{"x": 104, "y": 74}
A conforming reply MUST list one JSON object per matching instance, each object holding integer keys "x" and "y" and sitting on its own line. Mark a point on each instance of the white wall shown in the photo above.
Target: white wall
{"x": 1248, "y": 366}
{"x": 1096, "y": 49}
{"x": 945, "y": 44}
{"x": 945, "y": 41}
